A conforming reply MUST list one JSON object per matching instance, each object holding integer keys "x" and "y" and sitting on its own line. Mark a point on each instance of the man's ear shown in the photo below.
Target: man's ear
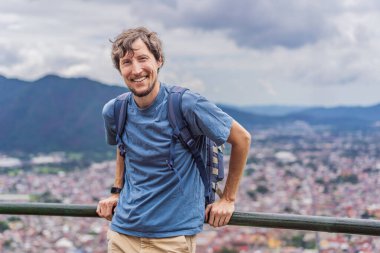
{"x": 159, "y": 62}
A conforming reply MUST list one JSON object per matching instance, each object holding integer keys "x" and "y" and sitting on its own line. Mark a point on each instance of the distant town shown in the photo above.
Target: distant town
{"x": 293, "y": 168}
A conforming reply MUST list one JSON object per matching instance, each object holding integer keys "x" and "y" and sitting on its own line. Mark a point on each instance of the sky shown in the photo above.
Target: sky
{"x": 243, "y": 52}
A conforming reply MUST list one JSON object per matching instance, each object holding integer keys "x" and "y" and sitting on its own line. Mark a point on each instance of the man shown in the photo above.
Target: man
{"x": 161, "y": 209}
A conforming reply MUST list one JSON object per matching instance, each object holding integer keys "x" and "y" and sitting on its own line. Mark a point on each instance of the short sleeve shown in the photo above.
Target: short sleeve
{"x": 109, "y": 122}
{"x": 205, "y": 118}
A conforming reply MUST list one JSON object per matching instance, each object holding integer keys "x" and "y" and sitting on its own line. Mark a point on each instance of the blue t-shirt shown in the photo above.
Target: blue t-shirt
{"x": 157, "y": 201}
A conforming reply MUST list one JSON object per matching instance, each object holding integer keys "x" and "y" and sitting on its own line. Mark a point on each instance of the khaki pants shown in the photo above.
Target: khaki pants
{"x": 120, "y": 243}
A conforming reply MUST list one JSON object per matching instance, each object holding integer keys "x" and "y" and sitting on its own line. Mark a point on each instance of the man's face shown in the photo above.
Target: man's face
{"x": 139, "y": 69}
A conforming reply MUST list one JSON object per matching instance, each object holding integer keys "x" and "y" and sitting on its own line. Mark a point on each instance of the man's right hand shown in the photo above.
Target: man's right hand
{"x": 106, "y": 206}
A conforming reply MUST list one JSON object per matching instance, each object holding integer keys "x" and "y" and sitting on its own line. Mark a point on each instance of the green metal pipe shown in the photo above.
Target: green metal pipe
{"x": 307, "y": 222}
{"x": 48, "y": 209}
{"x": 254, "y": 219}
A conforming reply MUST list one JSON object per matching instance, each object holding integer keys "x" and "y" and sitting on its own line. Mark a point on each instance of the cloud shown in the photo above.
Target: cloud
{"x": 232, "y": 51}
{"x": 268, "y": 87}
{"x": 8, "y": 57}
{"x": 68, "y": 38}
{"x": 183, "y": 78}
{"x": 255, "y": 24}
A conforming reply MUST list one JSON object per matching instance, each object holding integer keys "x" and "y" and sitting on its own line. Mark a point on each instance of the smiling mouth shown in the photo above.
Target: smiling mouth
{"x": 137, "y": 80}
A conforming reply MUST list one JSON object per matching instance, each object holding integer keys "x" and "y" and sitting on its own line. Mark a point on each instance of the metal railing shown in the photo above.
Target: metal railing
{"x": 254, "y": 219}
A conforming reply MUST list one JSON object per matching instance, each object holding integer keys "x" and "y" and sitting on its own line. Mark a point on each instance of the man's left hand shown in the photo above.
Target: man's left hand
{"x": 219, "y": 213}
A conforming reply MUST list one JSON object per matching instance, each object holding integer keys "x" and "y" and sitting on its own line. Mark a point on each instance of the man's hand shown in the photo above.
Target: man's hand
{"x": 106, "y": 206}
{"x": 219, "y": 213}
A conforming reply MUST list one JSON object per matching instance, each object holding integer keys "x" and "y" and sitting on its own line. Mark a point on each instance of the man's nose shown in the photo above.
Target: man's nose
{"x": 136, "y": 68}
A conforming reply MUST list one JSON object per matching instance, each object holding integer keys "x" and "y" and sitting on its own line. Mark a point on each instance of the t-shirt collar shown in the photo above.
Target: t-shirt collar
{"x": 159, "y": 98}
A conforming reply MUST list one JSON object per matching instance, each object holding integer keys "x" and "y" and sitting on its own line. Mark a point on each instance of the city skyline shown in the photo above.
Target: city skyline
{"x": 294, "y": 169}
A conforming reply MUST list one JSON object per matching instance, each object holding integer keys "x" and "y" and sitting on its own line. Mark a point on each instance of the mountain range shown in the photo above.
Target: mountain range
{"x": 64, "y": 114}
{"x": 53, "y": 113}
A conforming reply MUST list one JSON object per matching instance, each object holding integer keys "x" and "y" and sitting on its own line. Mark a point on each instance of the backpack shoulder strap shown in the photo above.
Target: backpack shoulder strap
{"x": 175, "y": 108}
{"x": 183, "y": 133}
{"x": 120, "y": 114}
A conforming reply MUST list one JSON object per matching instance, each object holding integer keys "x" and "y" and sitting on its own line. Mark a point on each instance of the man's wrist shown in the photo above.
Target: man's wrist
{"x": 229, "y": 199}
{"x": 116, "y": 190}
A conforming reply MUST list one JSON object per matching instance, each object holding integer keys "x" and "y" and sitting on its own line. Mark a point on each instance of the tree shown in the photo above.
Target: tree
{"x": 227, "y": 250}
{"x": 3, "y": 226}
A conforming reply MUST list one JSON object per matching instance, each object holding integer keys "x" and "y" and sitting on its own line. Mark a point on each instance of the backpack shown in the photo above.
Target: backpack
{"x": 211, "y": 171}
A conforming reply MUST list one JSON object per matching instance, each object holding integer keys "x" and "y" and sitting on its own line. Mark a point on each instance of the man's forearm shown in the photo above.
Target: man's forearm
{"x": 240, "y": 141}
{"x": 219, "y": 213}
{"x": 119, "y": 172}
{"x": 106, "y": 206}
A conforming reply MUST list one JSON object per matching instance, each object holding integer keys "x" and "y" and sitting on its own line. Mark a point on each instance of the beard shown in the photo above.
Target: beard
{"x": 143, "y": 93}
